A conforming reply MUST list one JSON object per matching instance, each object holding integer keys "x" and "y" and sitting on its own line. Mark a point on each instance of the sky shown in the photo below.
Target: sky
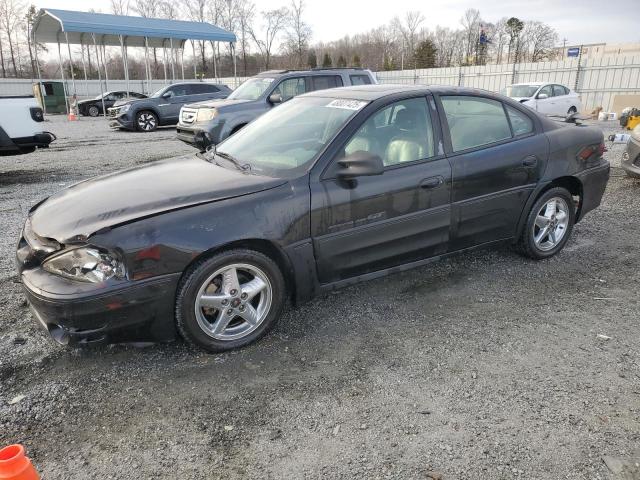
{"x": 579, "y": 21}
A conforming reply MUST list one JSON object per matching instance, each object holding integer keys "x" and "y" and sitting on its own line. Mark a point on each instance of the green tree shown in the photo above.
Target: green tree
{"x": 342, "y": 62}
{"x": 514, "y": 27}
{"x": 356, "y": 61}
{"x": 312, "y": 60}
{"x": 425, "y": 56}
{"x": 326, "y": 61}
{"x": 389, "y": 64}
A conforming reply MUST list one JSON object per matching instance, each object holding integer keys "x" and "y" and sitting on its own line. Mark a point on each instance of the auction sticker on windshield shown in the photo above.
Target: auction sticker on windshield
{"x": 347, "y": 104}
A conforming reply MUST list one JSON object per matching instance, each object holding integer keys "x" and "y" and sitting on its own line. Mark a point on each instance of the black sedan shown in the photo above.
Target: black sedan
{"x": 331, "y": 188}
{"x": 93, "y": 106}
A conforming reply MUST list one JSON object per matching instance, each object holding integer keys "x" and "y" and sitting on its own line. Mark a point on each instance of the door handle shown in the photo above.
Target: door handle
{"x": 432, "y": 182}
{"x": 530, "y": 162}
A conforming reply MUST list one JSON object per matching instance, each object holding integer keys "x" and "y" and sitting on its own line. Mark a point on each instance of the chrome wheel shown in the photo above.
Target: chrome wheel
{"x": 147, "y": 121}
{"x": 93, "y": 111}
{"x": 551, "y": 224}
{"x": 233, "y": 302}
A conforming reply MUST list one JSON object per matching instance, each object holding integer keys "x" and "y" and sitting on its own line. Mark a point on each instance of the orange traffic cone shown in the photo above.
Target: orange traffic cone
{"x": 72, "y": 116}
{"x": 15, "y": 465}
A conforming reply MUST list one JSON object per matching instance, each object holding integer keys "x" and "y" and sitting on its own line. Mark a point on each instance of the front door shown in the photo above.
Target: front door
{"x": 497, "y": 158}
{"x": 172, "y": 101}
{"x": 546, "y": 106}
{"x": 372, "y": 223}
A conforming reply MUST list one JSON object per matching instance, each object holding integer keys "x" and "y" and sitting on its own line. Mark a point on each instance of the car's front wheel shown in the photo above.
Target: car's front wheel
{"x": 146, "y": 121}
{"x": 93, "y": 111}
{"x": 229, "y": 300}
{"x": 549, "y": 224}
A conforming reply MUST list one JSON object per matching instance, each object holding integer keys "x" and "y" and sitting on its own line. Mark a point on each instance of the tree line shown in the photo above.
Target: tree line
{"x": 282, "y": 39}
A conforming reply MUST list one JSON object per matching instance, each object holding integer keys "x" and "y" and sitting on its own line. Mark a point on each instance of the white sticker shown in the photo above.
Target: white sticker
{"x": 347, "y": 104}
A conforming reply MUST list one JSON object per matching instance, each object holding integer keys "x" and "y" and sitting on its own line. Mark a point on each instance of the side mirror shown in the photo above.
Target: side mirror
{"x": 202, "y": 141}
{"x": 166, "y": 95}
{"x": 542, "y": 96}
{"x": 360, "y": 164}
{"x": 275, "y": 98}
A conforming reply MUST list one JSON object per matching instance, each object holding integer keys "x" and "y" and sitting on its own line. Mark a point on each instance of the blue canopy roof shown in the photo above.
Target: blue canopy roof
{"x": 52, "y": 25}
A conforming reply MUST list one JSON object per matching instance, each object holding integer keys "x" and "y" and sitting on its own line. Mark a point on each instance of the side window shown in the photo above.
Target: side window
{"x": 360, "y": 80}
{"x": 401, "y": 132}
{"x": 520, "y": 123}
{"x": 559, "y": 90}
{"x": 547, "y": 90}
{"x": 178, "y": 91}
{"x": 326, "y": 81}
{"x": 204, "y": 88}
{"x": 474, "y": 121}
{"x": 290, "y": 87}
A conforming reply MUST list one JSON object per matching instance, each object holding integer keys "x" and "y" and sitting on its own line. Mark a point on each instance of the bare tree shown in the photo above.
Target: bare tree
{"x": 245, "y": 14}
{"x": 273, "y": 22}
{"x": 539, "y": 40}
{"x": 298, "y": 32}
{"x": 471, "y": 27}
{"x": 120, "y": 7}
{"x": 11, "y": 14}
{"x": 408, "y": 30}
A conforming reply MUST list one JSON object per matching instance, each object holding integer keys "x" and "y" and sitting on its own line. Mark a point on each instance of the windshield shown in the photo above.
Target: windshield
{"x": 105, "y": 95}
{"x": 515, "y": 91}
{"x": 158, "y": 93}
{"x": 287, "y": 139}
{"x": 251, "y": 89}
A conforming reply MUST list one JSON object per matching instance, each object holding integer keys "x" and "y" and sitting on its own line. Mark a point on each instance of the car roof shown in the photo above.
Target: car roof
{"x": 374, "y": 92}
{"x": 313, "y": 71}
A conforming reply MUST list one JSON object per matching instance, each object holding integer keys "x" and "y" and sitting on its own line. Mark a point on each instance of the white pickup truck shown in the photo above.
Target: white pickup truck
{"x": 21, "y": 126}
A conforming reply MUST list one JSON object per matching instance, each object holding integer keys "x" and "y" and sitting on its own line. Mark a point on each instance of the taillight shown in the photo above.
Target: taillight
{"x": 586, "y": 153}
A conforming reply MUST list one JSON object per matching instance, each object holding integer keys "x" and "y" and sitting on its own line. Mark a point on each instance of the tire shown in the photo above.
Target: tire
{"x": 146, "y": 121}
{"x": 572, "y": 110}
{"x": 93, "y": 111}
{"x": 211, "y": 314}
{"x": 544, "y": 215}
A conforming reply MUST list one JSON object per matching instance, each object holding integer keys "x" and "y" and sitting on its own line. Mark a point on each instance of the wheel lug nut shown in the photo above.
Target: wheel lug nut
{"x": 225, "y": 302}
{"x": 230, "y": 311}
{"x": 242, "y": 308}
{"x": 244, "y": 296}
{"x": 234, "y": 292}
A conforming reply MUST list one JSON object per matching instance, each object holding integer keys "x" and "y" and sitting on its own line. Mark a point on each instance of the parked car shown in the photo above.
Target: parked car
{"x": 546, "y": 98}
{"x": 210, "y": 122}
{"x": 163, "y": 107}
{"x": 93, "y": 107}
{"x": 331, "y": 188}
{"x": 631, "y": 156}
{"x": 21, "y": 126}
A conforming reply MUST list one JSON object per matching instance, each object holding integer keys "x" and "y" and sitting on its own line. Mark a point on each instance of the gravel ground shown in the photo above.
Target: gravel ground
{"x": 486, "y": 365}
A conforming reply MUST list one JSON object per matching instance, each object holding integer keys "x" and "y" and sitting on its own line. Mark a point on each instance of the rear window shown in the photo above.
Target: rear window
{"x": 326, "y": 81}
{"x": 475, "y": 121}
{"x": 360, "y": 80}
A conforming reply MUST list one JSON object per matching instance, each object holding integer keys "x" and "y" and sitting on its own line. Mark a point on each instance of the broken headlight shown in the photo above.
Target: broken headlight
{"x": 206, "y": 114}
{"x": 86, "y": 264}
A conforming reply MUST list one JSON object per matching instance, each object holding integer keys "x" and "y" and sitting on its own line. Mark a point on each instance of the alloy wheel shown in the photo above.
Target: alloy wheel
{"x": 146, "y": 121}
{"x": 233, "y": 302}
{"x": 551, "y": 224}
{"x": 93, "y": 111}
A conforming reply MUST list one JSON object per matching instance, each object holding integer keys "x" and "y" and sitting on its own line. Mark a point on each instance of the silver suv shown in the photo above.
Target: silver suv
{"x": 208, "y": 123}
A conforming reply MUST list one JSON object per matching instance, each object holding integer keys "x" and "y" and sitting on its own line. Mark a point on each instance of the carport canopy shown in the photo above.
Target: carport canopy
{"x": 109, "y": 29}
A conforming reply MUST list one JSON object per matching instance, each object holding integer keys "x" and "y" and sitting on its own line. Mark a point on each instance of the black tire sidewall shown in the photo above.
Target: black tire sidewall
{"x": 91, "y": 109}
{"x": 143, "y": 112}
{"x": 529, "y": 245}
{"x": 195, "y": 276}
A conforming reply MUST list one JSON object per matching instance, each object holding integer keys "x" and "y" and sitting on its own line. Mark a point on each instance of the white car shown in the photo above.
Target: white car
{"x": 546, "y": 98}
{"x": 21, "y": 126}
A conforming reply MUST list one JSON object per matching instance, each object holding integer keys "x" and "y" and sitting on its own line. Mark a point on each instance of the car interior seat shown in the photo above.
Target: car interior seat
{"x": 412, "y": 140}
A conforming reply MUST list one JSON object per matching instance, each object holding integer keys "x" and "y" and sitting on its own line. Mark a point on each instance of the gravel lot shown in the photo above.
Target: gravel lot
{"x": 487, "y": 365}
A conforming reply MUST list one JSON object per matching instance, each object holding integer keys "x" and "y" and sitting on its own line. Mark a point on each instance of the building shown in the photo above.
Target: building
{"x": 600, "y": 50}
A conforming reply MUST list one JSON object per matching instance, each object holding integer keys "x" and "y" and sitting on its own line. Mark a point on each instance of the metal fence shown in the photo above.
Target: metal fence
{"x": 91, "y": 88}
{"x": 597, "y": 81}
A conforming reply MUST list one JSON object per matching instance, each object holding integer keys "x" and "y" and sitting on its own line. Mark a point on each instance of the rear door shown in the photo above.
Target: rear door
{"x": 377, "y": 222}
{"x": 323, "y": 82}
{"x": 497, "y": 158}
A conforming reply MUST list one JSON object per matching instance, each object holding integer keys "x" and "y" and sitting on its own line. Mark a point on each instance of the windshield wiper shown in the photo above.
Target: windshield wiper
{"x": 234, "y": 160}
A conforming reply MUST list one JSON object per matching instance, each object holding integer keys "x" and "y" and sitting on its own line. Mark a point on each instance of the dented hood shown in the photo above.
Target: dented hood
{"x": 75, "y": 213}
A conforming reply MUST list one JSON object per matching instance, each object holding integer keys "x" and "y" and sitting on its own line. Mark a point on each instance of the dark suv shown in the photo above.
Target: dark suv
{"x": 163, "y": 107}
{"x": 210, "y": 122}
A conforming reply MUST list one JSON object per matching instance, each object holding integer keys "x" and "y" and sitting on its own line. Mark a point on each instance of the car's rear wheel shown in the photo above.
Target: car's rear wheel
{"x": 549, "y": 224}
{"x": 229, "y": 300}
{"x": 93, "y": 111}
{"x": 572, "y": 110}
{"x": 146, "y": 121}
